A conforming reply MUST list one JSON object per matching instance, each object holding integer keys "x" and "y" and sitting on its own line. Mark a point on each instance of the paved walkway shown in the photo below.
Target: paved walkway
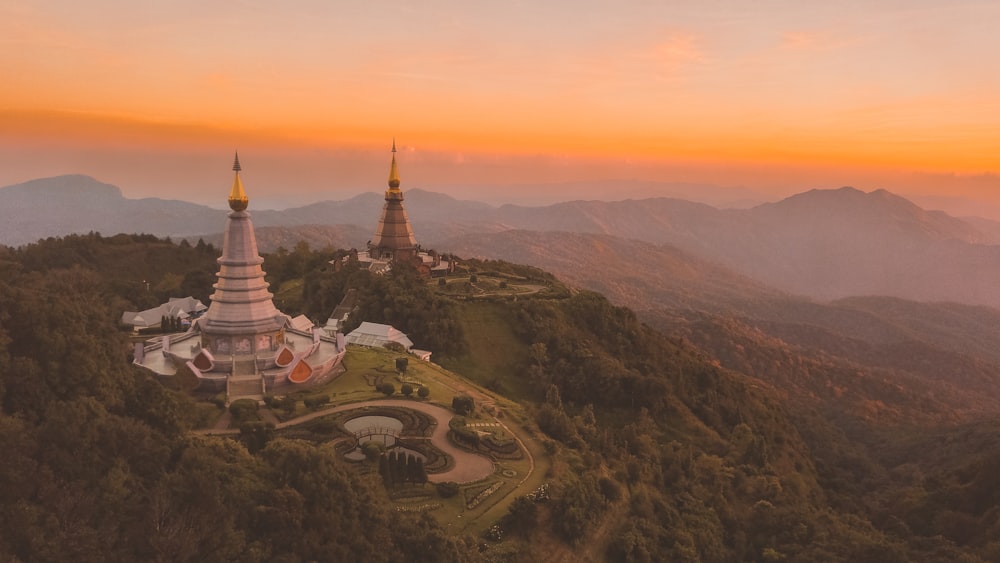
{"x": 468, "y": 467}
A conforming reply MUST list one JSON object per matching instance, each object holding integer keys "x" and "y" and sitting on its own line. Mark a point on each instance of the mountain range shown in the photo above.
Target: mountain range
{"x": 823, "y": 244}
{"x": 873, "y": 319}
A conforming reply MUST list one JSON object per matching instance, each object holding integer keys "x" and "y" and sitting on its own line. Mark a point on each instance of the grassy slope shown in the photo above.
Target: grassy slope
{"x": 495, "y": 353}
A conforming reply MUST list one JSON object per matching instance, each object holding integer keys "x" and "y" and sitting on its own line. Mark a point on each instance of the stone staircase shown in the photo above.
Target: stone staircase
{"x": 245, "y": 382}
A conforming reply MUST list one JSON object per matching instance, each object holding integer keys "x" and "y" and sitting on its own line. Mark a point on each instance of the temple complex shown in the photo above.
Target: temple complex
{"x": 394, "y": 240}
{"x": 243, "y": 343}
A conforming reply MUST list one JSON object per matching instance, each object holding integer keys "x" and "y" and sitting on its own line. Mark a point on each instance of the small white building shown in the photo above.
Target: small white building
{"x": 374, "y": 334}
{"x": 184, "y": 308}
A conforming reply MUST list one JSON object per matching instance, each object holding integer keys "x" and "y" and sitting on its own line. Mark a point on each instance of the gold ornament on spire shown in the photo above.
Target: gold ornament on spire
{"x": 393, "y": 171}
{"x": 238, "y": 199}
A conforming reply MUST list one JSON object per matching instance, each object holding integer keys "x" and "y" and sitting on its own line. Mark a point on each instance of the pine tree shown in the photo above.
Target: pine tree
{"x": 383, "y": 469}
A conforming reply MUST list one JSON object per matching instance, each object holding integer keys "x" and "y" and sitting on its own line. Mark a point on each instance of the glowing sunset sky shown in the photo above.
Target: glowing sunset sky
{"x": 775, "y": 96}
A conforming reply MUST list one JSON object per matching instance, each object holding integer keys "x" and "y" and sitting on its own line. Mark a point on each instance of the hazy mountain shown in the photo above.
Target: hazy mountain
{"x": 79, "y": 204}
{"x": 269, "y": 239}
{"x": 827, "y": 244}
{"x": 649, "y": 277}
{"x": 865, "y": 357}
{"x": 723, "y": 197}
{"x": 988, "y": 227}
{"x": 632, "y": 273}
{"x": 838, "y": 243}
{"x": 823, "y": 243}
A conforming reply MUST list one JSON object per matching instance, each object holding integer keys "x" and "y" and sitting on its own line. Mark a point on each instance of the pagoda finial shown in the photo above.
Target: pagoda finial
{"x": 238, "y": 199}
{"x": 393, "y": 170}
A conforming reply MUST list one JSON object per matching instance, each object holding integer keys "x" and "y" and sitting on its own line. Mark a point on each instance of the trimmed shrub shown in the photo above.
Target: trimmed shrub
{"x": 447, "y": 489}
{"x": 219, "y": 400}
{"x": 287, "y": 404}
{"x": 394, "y": 347}
{"x": 316, "y": 402}
{"x": 423, "y": 392}
{"x": 406, "y": 389}
{"x": 243, "y": 409}
{"x": 463, "y": 405}
{"x": 372, "y": 450}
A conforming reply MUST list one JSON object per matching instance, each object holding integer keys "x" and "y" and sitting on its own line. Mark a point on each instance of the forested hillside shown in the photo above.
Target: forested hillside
{"x": 660, "y": 452}
{"x": 99, "y": 464}
{"x": 667, "y": 456}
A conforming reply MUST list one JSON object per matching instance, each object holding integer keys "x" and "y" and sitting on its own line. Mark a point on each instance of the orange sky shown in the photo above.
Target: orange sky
{"x": 776, "y": 96}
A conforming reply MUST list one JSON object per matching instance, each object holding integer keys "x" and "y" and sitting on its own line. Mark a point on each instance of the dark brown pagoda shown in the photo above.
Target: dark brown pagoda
{"x": 394, "y": 240}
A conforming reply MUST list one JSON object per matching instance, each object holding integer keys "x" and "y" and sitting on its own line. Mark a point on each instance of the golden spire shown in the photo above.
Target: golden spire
{"x": 393, "y": 171}
{"x": 238, "y": 199}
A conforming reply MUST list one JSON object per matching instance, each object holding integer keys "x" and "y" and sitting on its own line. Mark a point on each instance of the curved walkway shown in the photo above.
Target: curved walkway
{"x": 468, "y": 466}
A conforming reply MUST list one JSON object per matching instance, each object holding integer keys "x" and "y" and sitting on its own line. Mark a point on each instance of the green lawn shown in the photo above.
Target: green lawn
{"x": 495, "y": 353}
{"x": 364, "y": 367}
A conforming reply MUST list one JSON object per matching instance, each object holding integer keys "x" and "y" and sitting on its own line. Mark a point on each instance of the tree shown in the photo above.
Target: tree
{"x": 243, "y": 410}
{"x": 255, "y": 434}
{"x": 383, "y": 469}
{"x": 395, "y": 347}
{"x": 408, "y": 464}
{"x": 406, "y": 389}
{"x": 401, "y": 364}
{"x": 387, "y": 388}
{"x": 419, "y": 473}
{"x": 447, "y": 489}
{"x": 463, "y": 404}
{"x": 523, "y": 516}
{"x": 372, "y": 450}
{"x": 287, "y": 404}
{"x": 423, "y": 392}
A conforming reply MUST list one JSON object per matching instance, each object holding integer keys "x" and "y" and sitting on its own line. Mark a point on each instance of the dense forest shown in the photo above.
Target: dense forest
{"x": 660, "y": 453}
{"x": 98, "y": 461}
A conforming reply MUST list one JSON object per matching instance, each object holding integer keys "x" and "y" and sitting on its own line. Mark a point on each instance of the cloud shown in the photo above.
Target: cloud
{"x": 815, "y": 40}
{"x": 800, "y": 40}
{"x": 679, "y": 49}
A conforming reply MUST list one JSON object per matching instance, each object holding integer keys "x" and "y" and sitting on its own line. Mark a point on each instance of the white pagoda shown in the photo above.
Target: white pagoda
{"x": 243, "y": 343}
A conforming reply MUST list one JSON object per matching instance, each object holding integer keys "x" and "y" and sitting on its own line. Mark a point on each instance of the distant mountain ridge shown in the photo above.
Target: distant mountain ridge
{"x": 826, "y": 244}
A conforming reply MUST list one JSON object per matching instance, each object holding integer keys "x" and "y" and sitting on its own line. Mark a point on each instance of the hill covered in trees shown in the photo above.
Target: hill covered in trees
{"x": 99, "y": 463}
{"x": 663, "y": 447}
